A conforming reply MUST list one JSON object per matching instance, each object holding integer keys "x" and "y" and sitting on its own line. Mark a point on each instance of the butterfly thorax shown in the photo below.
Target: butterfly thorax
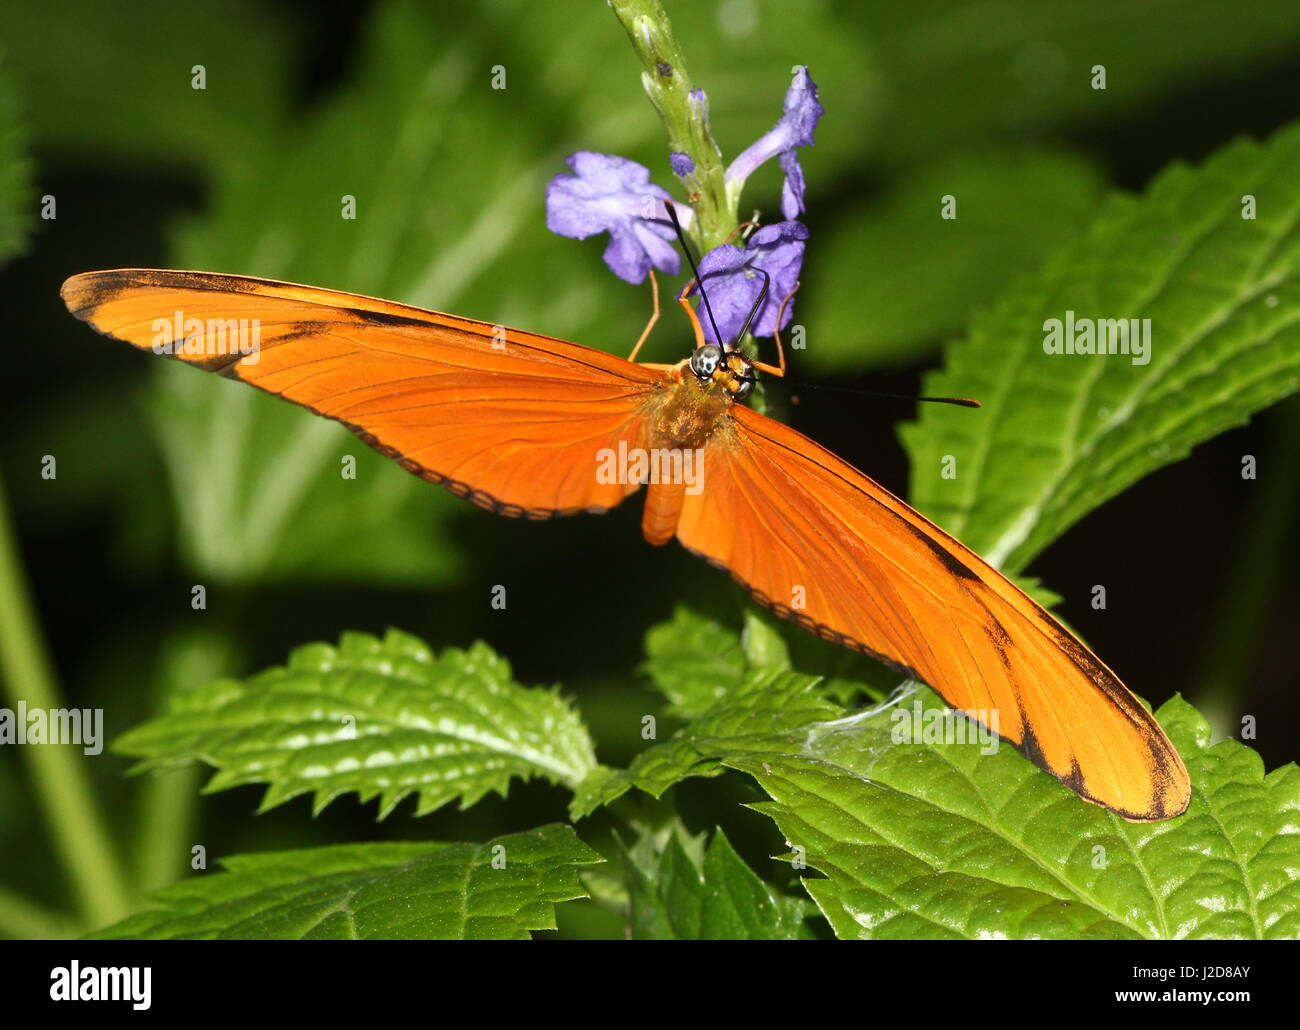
{"x": 687, "y": 410}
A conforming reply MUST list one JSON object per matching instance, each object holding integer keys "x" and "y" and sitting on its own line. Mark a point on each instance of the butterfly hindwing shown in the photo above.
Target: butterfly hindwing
{"x": 820, "y": 543}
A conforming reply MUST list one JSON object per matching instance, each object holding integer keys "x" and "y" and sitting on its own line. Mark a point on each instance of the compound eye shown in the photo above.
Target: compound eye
{"x": 745, "y": 388}
{"x": 705, "y": 360}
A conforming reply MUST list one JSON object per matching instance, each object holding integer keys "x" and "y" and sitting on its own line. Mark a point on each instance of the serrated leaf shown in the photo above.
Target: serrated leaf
{"x": 767, "y": 703}
{"x": 427, "y": 891}
{"x": 692, "y": 661}
{"x": 939, "y": 840}
{"x": 695, "y": 660}
{"x": 601, "y": 786}
{"x": 728, "y": 684}
{"x": 754, "y": 714}
{"x": 674, "y": 896}
{"x": 1061, "y": 433}
{"x": 381, "y": 718}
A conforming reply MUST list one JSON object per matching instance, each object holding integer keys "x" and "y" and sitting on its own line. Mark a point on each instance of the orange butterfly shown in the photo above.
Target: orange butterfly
{"x": 514, "y": 422}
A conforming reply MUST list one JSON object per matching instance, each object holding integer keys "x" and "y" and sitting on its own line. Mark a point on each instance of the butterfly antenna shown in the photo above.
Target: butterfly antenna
{"x": 964, "y": 402}
{"x": 762, "y": 296}
{"x": 695, "y": 271}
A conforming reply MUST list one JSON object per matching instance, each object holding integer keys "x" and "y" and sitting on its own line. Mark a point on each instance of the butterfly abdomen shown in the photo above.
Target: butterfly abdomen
{"x": 663, "y": 507}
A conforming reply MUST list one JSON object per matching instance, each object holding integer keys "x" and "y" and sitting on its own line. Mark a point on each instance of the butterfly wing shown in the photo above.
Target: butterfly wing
{"x": 511, "y": 420}
{"x": 516, "y": 421}
{"x": 818, "y": 542}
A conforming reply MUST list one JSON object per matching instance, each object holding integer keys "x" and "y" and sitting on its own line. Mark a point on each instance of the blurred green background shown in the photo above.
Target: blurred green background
{"x": 167, "y": 478}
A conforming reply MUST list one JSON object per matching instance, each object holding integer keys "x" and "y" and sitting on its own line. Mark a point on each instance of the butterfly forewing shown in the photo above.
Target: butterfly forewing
{"x": 509, "y": 419}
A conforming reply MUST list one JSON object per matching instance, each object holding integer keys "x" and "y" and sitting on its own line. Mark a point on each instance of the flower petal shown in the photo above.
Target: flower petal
{"x": 779, "y": 252}
{"x": 657, "y": 239}
{"x": 801, "y": 112}
{"x": 607, "y": 193}
{"x": 803, "y": 109}
{"x": 793, "y": 186}
{"x": 722, "y": 260}
{"x": 733, "y": 282}
{"x": 625, "y": 256}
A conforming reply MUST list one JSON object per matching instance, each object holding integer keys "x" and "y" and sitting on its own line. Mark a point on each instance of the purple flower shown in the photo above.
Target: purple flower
{"x": 795, "y": 129}
{"x": 612, "y": 194}
{"x": 792, "y": 188}
{"x": 682, "y": 164}
{"x": 732, "y": 283}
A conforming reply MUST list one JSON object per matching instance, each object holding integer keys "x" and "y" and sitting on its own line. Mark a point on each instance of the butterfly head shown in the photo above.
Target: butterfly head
{"x": 729, "y": 369}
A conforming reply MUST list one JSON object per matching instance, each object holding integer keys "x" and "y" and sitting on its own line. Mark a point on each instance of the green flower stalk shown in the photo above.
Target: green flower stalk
{"x": 685, "y": 114}
{"x": 749, "y": 280}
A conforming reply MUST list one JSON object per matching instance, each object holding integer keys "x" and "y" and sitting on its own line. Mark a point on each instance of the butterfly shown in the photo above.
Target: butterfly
{"x": 519, "y": 423}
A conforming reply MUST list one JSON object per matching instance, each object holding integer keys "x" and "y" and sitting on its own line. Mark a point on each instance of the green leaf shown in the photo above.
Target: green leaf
{"x": 427, "y": 891}
{"x": 762, "y": 643}
{"x": 384, "y": 718}
{"x": 952, "y": 71}
{"x": 674, "y": 896}
{"x": 66, "y": 53}
{"x": 1060, "y": 433}
{"x": 766, "y": 704}
{"x": 939, "y": 840}
{"x": 259, "y": 488}
{"x": 878, "y": 811}
{"x": 753, "y": 714}
{"x": 727, "y": 685}
{"x": 600, "y": 787}
{"x": 928, "y": 273}
{"x": 17, "y": 200}
{"x": 694, "y": 662}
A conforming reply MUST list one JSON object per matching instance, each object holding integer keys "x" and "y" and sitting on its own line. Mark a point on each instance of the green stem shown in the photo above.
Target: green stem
{"x": 166, "y": 814}
{"x": 166, "y": 803}
{"x": 669, "y": 86}
{"x": 69, "y": 806}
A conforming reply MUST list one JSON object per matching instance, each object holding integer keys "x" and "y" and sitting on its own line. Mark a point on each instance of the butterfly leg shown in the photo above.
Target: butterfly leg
{"x": 778, "y": 371}
{"x": 691, "y": 314}
{"x": 743, "y": 230}
{"x": 654, "y": 316}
